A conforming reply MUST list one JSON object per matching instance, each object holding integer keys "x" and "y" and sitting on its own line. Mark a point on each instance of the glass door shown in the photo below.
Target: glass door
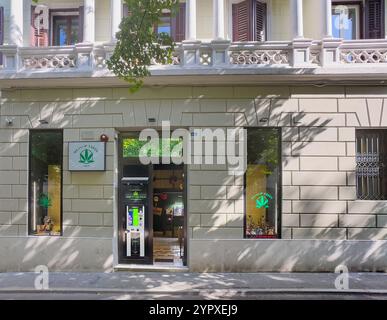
{"x": 169, "y": 215}
{"x": 152, "y": 208}
{"x": 135, "y": 215}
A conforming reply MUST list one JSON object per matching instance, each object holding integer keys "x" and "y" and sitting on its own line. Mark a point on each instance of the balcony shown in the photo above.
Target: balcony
{"x": 291, "y": 54}
{"x": 249, "y": 62}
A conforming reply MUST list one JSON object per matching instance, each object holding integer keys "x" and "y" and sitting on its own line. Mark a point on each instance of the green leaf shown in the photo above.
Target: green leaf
{"x": 45, "y": 200}
{"x": 83, "y": 160}
{"x": 86, "y": 157}
{"x": 89, "y": 156}
{"x": 138, "y": 46}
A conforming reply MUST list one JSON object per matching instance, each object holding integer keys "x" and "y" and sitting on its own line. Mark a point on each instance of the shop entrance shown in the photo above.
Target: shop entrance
{"x": 168, "y": 214}
{"x": 152, "y": 211}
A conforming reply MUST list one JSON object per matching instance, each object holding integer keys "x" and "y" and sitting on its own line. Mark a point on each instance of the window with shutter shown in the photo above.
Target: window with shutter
{"x": 260, "y": 21}
{"x": 374, "y": 19}
{"x": 241, "y": 21}
{"x": 178, "y": 24}
{"x": 249, "y": 21}
{"x": 39, "y": 34}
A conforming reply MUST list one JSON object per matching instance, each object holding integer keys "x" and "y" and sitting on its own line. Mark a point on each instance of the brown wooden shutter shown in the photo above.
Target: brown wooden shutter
{"x": 241, "y": 27}
{"x": 374, "y": 19}
{"x": 32, "y": 27}
{"x": 81, "y": 23}
{"x": 39, "y": 38}
{"x": 1, "y": 31}
{"x": 260, "y": 21}
{"x": 178, "y": 24}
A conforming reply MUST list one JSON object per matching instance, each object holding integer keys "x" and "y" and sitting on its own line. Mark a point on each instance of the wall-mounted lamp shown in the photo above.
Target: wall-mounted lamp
{"x": 264, "y": 120}
{"x": 104, "y": 138}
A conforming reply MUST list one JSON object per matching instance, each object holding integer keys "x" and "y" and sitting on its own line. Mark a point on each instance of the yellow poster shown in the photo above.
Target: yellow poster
{"x": 54, "y": 192}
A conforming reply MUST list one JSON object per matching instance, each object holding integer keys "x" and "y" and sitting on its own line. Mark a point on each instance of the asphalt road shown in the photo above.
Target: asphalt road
{"x": 187, "y": 296}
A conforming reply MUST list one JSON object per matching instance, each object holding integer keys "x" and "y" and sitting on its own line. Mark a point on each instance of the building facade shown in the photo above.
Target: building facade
{"x": 306, "y": 79}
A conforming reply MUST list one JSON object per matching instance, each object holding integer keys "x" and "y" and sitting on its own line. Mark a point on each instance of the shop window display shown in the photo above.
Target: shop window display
{"x": 262, "y": 183}
{"x": 45, "y": 182}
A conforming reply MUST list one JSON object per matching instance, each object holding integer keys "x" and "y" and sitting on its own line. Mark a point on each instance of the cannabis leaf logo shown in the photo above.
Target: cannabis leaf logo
{"x": 86, "y": 157}
{"x": 262, "y": 200}
{"x": 45, "y": 201}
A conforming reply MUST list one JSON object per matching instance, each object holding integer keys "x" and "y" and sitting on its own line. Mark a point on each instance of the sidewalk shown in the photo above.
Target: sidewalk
{"x": 188, "y": 283}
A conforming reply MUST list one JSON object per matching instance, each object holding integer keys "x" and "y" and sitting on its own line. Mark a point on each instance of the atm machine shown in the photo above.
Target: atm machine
{"x": 135, "y": 204}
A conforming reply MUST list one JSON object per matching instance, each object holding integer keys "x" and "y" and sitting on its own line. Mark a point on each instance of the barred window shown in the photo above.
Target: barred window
{"x": 371, "y": 163}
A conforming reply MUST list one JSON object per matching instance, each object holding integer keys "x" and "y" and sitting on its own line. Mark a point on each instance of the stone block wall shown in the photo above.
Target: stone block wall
{"x": 318, "y": 150}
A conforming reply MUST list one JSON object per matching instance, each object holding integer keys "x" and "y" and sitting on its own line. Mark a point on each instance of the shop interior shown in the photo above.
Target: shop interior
{"x": 168, "y": 214}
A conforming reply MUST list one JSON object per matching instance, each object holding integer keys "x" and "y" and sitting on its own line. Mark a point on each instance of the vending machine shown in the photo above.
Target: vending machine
{"x": 136, "y": 206}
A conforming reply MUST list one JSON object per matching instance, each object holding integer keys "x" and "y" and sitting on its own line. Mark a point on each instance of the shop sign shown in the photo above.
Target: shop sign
{"x": 87, "y": 156}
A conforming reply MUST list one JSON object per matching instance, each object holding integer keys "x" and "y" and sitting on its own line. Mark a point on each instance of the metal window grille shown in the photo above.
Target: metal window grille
{"x": 371, "y": 164}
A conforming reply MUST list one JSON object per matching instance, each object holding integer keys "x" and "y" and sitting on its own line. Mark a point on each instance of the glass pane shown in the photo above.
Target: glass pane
{"x": 344, "y": 22}
{"x": 164, "y": 25}
{"x": 262, "y": 183}
{"x": 66, "y": 30}
{"x": 60, "y": 31}
{"x": 74, "y": 30}
{"x": 45, "y": 182}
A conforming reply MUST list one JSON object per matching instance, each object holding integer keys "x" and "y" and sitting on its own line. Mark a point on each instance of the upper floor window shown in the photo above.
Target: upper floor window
{"x": 358, "y": 19}
{"x": 174, "y": 26}
{"x": 346, "y": 21}
{"x": 56, "y": 27}
{"x": 371, "y": 164}
{"x": 164, "y": 25}
{"x": 65, "y": 29}
{"x": 249, "y": 21}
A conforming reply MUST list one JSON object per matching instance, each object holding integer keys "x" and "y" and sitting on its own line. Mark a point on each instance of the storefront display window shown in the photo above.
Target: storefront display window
{"x": 45, "y": 182}
{"x": 262, "y": 183}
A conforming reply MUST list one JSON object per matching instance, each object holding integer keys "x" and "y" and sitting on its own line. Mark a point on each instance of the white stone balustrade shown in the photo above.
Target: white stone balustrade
{"x": 363, "y": 52}
{"x": 254, "y": 53}
{"x": 191, "y": 55}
